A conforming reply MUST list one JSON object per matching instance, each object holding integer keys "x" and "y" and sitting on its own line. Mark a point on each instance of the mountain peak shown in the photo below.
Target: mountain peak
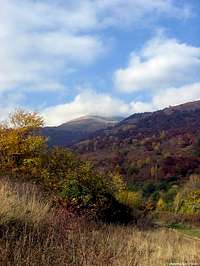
{"x": 78, "y": 129}
{"x": 96, "y": 118}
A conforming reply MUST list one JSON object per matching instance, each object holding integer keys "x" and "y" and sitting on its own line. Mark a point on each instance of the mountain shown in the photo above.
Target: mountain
{"x": 77, "y": 129}
{"x": 154, "y": 145}
{"x": 89, "y": 123}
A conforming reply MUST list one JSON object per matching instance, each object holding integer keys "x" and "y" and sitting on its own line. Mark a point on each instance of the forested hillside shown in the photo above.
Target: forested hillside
{"x": 149, "y": 146}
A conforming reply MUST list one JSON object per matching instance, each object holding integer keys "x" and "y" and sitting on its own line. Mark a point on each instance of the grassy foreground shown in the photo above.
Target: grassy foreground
{"x": 32, "y": 233}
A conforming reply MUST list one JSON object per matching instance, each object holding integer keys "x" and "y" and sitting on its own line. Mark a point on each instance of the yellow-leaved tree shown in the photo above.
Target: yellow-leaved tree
{"x": 132, "y": 199}
{"x": 20, "y": 144}
{"x": 187, "y": 201}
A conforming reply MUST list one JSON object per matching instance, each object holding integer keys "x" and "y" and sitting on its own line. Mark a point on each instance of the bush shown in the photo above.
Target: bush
{"x": 148, "y": 188}
{"x": 82, "y": 188}
{"x": 187, "y": 201}
{"x": 130, "y": 198}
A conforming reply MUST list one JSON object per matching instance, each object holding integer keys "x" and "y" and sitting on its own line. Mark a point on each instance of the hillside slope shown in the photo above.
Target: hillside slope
{"x": 78, "y": 129}
{"x": 155, "y": 145}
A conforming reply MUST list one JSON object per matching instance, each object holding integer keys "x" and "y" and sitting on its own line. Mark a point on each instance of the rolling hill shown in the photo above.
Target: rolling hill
{"x": 153, "y": 146}
{"x": 73, "y": 131}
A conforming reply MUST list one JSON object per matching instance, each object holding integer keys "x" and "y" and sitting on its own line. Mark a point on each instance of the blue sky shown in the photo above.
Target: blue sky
{"x": 69, "y": 58}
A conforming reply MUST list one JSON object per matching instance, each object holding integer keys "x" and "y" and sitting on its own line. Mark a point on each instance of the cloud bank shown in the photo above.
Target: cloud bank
{"x": 160, "y": 64}
{"x": 91, "y": 102}
{"x": 42, "y": 40}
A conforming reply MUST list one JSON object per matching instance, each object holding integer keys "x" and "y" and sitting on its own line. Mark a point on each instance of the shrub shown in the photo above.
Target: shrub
{"x": 148, "y": 188}
{"x": 160, "y": 205}
{"x": 130, "y": 198}
{"x": 155, "y": 195}
{"x": 187, "y": 200}
{"x": 82, "y": 188}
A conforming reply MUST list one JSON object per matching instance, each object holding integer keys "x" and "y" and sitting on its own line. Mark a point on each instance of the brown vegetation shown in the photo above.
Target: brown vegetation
{"x": 22, "y": 203}
{"x": 63, "y": 239}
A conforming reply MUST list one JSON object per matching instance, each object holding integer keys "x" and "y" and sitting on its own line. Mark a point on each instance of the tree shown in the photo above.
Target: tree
{"x": 160, "y": 206}
{"x": 188, "y": 199}
{"x": 118, "y": 183}
{"x": 21, "y": 145}
{"x": 198, "y": 147}
{"x": 25, "y": 121}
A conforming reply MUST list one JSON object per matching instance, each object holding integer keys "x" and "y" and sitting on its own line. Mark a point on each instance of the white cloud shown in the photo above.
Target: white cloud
{"x": 87, "y": 102}
{"x": 176, "y": 96}
{"x": 41, "y": 42}
{"x": 90, "y": 102}
{"x": 162, "y": 63}
{"x": 169, "y": 97}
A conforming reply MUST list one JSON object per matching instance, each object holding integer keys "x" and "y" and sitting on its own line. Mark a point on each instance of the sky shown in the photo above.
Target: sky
{"x": 69, "y": 58}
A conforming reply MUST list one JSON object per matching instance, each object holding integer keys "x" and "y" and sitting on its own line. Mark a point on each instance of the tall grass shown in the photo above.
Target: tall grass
{"x": 110, "y": 245}
{"x": 21, "y": 202}
{"x": 58, "y": 238}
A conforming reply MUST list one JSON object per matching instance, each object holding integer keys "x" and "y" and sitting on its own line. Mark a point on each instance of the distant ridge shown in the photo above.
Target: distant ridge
{"x": 113, "y": 119}
{"x": 189, "y": 106}
{"x": 77, "y": 129}
{"x": 90, "y": 123}
{"x": 165, "y": 141}
{"x": 179, "y": 117}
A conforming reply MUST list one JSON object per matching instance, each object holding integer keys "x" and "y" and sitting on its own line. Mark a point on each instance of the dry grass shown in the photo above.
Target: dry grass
{"x": 21, "y": 202}
{"x": 123, "y": 246}
{"x": 66, "y": 240}
{"x": 89, "y": 245}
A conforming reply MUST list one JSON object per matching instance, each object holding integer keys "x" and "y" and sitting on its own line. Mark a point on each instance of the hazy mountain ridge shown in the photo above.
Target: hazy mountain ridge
{"x": 174, "y": 118}
{"x": 75, "y": 130}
